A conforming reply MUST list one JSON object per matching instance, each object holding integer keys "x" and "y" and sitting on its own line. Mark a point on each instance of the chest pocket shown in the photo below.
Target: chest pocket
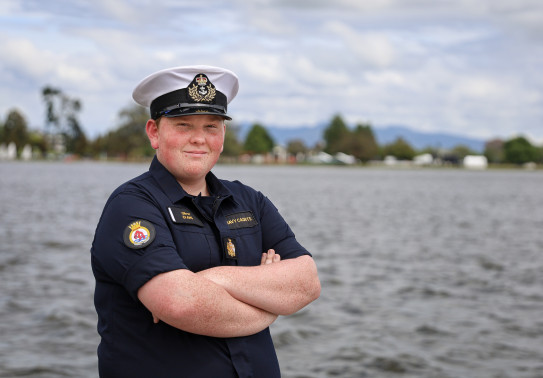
{"x": 248, "y": 237}
{"x": 195, "y": 240}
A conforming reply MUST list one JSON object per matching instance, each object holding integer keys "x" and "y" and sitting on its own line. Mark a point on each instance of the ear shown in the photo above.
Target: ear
{"x": 223, "y": 135}
{"x": 152, "y": 133}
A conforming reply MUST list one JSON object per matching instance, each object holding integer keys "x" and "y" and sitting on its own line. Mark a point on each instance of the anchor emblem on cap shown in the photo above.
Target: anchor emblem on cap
{"x": 200, "y": 90}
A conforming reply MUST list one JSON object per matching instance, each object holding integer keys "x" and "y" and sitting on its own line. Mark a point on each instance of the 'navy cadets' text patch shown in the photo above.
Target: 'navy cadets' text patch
{"x": 241, "y": 220}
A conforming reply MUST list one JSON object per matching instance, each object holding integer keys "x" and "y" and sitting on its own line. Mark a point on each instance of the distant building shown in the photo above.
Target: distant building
{"x": 11, "y": 151}
{"x": 529, "y": 165}
{"x": 475, "y": 162}
{"x": 26, "y": 154}
{"x": 321, "y": 157}
{"x": 280, "y": 154}
{"x": 344, "y": 158}
{"x": 424, "y": 159}
{"x": 390, "y": 160}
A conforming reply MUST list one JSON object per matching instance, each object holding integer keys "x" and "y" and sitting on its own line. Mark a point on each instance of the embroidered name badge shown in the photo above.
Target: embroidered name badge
{"x": 139, "y": 234}
{"x": 183, "y": 215}
{"x": 230, "y": 248}
{"x": 241, "y": 220}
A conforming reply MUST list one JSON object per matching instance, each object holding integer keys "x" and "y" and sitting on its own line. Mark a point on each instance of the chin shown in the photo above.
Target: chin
{"x": 195, "y": 170}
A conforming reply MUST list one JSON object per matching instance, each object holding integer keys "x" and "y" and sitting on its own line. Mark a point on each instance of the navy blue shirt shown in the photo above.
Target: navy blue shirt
{"x": 150, "y": 225}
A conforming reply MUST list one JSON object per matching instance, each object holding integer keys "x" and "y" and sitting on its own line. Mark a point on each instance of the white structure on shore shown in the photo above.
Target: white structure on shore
{"x": 475, "y": 162}
{"x": 321, "y": 157}
{"x": 26, "y": 154}
{"x": 8, "y": 152}
{"x": 344, "y": 158}
{"x": 424, "y": 159}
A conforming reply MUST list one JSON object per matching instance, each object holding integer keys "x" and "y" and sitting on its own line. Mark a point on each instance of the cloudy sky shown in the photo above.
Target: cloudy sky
{"x": 472, "y": 68}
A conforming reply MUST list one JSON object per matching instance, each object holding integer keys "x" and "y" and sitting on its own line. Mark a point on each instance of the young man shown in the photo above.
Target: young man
{"x": 191, "y": 270}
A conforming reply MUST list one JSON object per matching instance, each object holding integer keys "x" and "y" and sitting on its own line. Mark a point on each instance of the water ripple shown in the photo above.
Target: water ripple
{"x": 425, "y": 273}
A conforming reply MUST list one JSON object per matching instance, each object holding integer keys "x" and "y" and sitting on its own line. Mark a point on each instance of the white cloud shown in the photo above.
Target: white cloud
{"x": 464, "y": 66}
{"x": 386, "y": 78}
{"x": 476, "y": 88}
{"x": 373, "y": 48}
{"x": 267, "y": 68}
{"x": 26, "y": 58}
{"x": 127, "y": 12}
{"x": 9, "y": 6}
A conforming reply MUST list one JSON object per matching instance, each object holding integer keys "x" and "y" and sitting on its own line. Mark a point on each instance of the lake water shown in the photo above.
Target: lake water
{"x": 425, "y": 273}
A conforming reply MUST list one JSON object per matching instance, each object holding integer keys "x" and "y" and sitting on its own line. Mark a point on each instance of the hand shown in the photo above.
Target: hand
{"x": 270, "y": 257}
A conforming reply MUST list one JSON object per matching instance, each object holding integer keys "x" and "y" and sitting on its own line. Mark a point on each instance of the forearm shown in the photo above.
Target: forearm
{"x": 201, "y": 306}
{"x": 281, "y": 288}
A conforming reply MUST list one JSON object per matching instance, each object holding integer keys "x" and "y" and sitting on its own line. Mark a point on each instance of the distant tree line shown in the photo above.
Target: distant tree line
{"x": 63, "y": 134}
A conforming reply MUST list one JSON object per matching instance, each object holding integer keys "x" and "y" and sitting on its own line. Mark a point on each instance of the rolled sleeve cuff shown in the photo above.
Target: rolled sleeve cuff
{"x": 150, "y": 265}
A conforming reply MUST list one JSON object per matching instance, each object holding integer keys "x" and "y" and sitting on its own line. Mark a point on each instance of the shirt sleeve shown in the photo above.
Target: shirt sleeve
{"x": 276, "y": 233}
{"x": 127, "y": 260}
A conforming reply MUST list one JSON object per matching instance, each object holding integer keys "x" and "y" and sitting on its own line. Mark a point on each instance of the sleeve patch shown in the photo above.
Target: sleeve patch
{"x": 139, "y": 234}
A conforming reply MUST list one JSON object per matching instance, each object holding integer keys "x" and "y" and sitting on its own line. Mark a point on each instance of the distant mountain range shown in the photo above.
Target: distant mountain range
{"x": 418, "y": 140}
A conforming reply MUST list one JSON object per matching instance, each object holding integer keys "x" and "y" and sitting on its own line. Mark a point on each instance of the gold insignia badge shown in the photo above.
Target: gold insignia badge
{"x": 231, "y": 248}
{"x": 202, "y": 89}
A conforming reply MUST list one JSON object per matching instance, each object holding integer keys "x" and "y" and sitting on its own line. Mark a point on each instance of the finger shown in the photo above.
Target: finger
{"x": 269, "y": 258}
{"x": 263, "y": 259}
{"x": 276, "y": 258}
{"x": 155, "y": 319}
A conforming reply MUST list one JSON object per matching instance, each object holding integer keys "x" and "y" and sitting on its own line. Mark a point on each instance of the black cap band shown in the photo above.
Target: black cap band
{"x": 200, "y": 97}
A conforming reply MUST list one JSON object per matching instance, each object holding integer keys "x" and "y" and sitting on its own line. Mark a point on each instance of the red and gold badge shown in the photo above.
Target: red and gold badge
{"x": 139, "y": 234}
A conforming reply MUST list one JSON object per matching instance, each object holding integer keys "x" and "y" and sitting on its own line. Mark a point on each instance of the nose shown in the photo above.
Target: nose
{"x": 197, "y": 136}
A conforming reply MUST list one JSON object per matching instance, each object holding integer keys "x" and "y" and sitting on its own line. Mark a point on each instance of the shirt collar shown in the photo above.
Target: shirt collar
{"x": 173, "y": 189}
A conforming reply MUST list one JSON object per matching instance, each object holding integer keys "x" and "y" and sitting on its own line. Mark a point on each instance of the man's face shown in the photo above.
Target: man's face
{"x": 188, "y": 146}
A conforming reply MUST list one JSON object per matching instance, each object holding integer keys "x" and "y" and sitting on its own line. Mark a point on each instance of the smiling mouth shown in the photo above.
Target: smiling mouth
{"x": 195, "y": 153}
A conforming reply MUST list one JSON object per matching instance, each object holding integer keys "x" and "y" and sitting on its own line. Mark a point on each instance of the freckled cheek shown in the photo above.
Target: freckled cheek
{"x": 175, "y": 143}
{"x": 217, "y": 148}
{"x": 172, "y": 149}
{"x": 216, "y": 145}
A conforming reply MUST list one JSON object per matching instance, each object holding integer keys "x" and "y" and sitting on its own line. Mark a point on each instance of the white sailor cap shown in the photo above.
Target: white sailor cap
{"x": 188, "y": 90}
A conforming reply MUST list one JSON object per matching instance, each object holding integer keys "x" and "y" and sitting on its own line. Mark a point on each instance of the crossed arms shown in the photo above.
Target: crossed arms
{"x": 232, "y": 301}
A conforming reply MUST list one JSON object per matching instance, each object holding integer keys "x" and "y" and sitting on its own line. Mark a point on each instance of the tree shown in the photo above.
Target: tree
{"x": 61, "y": 114}
{"x": 129, "y": 140}
{"x": 258, "y": 141}
{"x": 37, "y": 140}
{"x": 336, "y": 135}
{"x": 76, "y": 141}
{"x": 399, "y": 149}
{"x": 539, "y": 154}
{"x": 461, "y": 151}
{"x": 362, "y": 144}
{"x": 434, "y": 151}
{"x": 296, "y": 146}
{"x": 232, "y": 146}
{"x": 15, "y": 129}
{"x": 52, "y": 119}
{"x": 519, "y": 151}
{"x": 494, "y": 151}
